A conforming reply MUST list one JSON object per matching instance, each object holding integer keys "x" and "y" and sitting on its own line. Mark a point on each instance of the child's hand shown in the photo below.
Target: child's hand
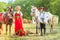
{"x": 44, "y": 22}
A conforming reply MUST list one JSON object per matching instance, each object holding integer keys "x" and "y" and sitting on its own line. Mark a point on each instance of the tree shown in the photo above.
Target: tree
{"x": 51, "y": 5}
{"x": 55, "y": 7}
{"x": 26, "y": 6}
{"x": 2, "y": 6}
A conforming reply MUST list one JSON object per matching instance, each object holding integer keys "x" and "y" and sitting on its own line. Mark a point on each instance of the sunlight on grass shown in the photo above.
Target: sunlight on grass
{"x": 55, "y": 35}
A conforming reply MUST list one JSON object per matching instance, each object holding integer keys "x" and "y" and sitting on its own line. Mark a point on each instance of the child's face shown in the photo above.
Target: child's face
{"x": 17, "y": 9}
{"x": 41, "y": 10}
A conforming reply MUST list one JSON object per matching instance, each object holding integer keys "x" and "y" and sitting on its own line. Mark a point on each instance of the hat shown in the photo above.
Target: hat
{"x": 43, "y": 8}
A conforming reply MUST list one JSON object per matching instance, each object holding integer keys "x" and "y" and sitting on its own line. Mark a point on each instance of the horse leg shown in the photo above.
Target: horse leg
{"x": 36, "y": 29}
{"x": 6, "y": 28}
{"x": 9, "y": 29}
{"x": 52, "y": 27}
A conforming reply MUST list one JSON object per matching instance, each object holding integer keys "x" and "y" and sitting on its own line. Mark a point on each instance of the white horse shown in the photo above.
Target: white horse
{"x": 35, "y": 13}
{"x": 52, "y": 20}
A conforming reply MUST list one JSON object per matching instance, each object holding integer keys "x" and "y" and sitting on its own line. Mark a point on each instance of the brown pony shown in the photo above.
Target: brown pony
{"x": 8, "y": 19}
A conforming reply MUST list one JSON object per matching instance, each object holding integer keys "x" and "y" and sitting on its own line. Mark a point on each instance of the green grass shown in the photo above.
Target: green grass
{"x": 55, "y": 35}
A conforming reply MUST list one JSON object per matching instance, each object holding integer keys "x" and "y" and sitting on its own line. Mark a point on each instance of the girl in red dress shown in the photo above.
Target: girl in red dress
{"x": 19, "y": 30}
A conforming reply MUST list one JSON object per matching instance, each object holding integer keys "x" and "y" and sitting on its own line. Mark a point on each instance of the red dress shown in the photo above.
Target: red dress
{"x": 19, "y": 30}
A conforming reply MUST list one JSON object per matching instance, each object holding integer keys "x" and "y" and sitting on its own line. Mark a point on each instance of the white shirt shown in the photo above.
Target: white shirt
{"x": 43, "y": 17}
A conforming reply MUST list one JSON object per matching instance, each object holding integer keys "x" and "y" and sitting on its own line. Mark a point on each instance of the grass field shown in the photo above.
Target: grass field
{"x": 55, "y": 35}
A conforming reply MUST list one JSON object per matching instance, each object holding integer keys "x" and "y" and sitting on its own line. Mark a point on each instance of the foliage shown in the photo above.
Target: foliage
{"x": 51, "y": 5}
{"x": 2, "y": 6}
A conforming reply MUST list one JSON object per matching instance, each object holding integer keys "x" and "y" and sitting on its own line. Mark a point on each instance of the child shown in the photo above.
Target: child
{"x": 19, "y": 30}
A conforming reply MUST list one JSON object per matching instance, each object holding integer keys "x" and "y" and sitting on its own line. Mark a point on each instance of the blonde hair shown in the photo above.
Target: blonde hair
{"x": 18, "y": 7}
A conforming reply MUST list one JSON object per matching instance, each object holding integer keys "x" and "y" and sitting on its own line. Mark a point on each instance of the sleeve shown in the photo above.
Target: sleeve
{"x": 14, "y": 13}
{"x": 21, "y": 13}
